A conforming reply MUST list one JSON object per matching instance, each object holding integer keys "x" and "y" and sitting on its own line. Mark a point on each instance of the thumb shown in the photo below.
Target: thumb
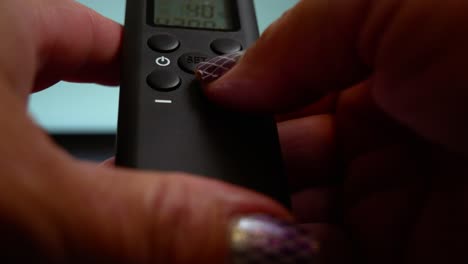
{"x": 413, "y": 53}
{"x": 131, "y": 217}
{"x": 294, "y": 61}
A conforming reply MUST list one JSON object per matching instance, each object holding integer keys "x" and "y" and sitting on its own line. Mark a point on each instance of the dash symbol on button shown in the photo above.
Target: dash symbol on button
{"x": 159, "y": 101}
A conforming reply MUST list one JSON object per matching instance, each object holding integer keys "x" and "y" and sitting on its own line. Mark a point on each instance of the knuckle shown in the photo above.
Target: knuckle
{"x": 181, "y": 212}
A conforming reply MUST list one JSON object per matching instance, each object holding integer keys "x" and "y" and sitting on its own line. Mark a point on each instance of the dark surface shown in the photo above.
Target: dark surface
{"x": 88, "y": 147}
{"x": 225, "y": 46}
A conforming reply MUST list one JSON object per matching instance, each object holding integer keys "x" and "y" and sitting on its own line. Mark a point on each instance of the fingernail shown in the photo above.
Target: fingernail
{"x": 263, "y": 239}
{"x": 213, "y": 69}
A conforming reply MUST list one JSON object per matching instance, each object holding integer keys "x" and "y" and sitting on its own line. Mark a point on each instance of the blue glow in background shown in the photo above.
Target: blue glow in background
{"x": 68, "y": 108}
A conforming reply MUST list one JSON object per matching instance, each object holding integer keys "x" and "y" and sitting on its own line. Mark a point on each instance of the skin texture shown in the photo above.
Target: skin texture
{"x": 54, "y": 209}
{"x": 371, "y": 98}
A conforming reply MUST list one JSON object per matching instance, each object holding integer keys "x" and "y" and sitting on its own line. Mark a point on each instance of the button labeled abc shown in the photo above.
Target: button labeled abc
{"x": 163, "y": 61}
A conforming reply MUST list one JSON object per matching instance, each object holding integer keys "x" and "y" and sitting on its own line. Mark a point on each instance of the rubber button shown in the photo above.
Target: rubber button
{"x": 188, "y": 62}
{"x": 225, "y": 46}
{"x": 164, "y": 80}
{"x": 163, "y": 43}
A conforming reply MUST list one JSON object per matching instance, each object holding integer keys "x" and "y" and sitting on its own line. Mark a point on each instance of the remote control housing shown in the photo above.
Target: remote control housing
{"x": 191, "y": 134}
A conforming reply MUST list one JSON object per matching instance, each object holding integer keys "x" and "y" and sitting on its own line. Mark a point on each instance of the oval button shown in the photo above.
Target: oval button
{"x": 163, "y": 43}
{"x": 188, "y": 62}
{"x": 164, "y": 80}
{"x": 225, "y": 46}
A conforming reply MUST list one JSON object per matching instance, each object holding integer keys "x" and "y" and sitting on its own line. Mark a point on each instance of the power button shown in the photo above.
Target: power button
{"x": 163, "y": 61}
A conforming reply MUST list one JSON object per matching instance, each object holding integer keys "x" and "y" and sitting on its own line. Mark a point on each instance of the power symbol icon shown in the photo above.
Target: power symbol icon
{"x": 163, "y": 61}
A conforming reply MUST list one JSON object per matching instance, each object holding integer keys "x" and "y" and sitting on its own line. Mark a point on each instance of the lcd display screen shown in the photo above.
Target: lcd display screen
{"x": 198, "y": 14}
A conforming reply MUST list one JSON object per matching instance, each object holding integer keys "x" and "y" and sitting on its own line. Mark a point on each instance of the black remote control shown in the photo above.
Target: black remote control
{"x": 165, "y": 123}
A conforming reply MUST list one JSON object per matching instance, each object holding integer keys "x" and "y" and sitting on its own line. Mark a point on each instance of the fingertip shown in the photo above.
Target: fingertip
{"x": 225, "y": 84}
{"x": 304, "y": 56}
{"x": 109, "y": 163}
{"x": 237, "y": 82}
{"x": 215, "y": 68}
{"x": 77, "y": 44}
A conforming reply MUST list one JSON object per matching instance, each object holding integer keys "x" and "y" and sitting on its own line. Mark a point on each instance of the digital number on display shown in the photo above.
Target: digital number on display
{"x": 201, "y": 14}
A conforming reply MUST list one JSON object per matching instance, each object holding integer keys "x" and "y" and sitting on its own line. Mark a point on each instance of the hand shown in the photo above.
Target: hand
{"x": 54, "y": 209}
{"x": 372, "y": 98}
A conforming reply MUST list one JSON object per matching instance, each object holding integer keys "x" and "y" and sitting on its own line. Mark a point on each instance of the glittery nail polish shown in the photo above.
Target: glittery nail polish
{"x": 213, "y": 69}
{"x": 263, "y": 239}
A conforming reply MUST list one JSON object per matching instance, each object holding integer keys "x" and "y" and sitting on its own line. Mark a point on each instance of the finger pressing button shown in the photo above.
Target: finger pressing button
{"x": 189, "y": 61}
